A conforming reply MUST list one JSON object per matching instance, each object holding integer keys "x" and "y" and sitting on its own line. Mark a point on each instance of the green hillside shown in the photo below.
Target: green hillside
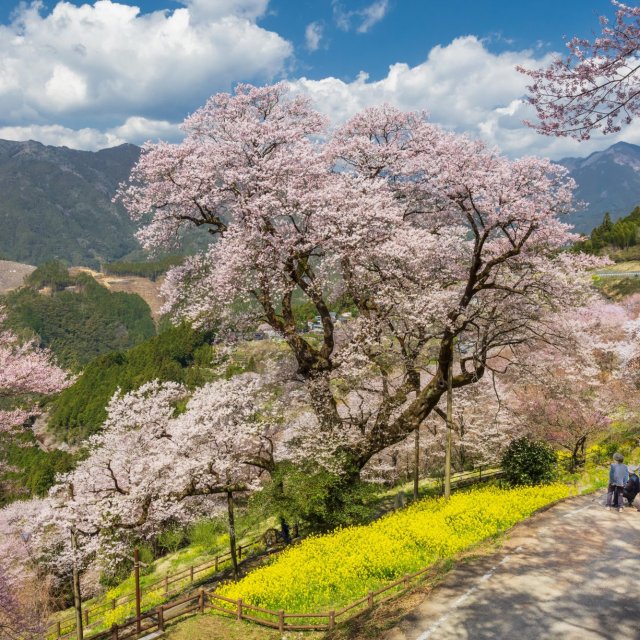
{"x": 620, "y": 240}
{"x": 179, "y": 353}
{"x": 75, "y": 317}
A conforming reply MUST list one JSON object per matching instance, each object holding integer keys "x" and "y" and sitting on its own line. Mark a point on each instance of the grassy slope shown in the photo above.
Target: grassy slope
{"x": 618, "y": 288}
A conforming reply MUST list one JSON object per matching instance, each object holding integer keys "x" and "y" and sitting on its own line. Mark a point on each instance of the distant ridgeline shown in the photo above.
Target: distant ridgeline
{"x": 56, "y": 203}
{"x": 620, "y": 239}
{"x": 77, "y": 318}
{"x": 179, "y": 353}
{"x": 149, "y": 269}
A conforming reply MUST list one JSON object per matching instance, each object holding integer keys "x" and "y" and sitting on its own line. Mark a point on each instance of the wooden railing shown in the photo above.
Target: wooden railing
{"x": 203, "y": 600}
{"x": 170, "y": 584}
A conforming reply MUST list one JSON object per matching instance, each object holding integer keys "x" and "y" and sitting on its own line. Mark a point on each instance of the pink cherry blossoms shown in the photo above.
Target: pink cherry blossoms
{"x": 595, "y": 88}
{"x": 25, "y": 369}
{"x": 433, "y": 238}
{"x": 152, "y": 466}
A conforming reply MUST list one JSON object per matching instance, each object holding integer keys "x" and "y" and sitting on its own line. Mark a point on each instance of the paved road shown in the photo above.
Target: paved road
{"x": 572, "y": 573}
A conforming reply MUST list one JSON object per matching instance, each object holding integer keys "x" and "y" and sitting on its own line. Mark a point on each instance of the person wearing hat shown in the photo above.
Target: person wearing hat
{"x": 618, "y": 478}
{"x": 632, "y": 487}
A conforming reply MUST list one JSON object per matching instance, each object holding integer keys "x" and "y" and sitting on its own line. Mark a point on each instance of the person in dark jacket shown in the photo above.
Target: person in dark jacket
{"x": 632, "y": 487}
{"x": 618, "y": 477}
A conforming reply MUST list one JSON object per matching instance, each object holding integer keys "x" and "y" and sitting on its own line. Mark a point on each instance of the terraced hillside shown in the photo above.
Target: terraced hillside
{"x": 12, "y": 274}
{"x": 149, "y": 291}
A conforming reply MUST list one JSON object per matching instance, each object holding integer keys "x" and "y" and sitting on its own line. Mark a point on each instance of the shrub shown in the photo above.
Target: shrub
{"x": 529, "y": 462}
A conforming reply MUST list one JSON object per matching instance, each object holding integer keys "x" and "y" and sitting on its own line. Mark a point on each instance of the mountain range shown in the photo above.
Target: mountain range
{"x": 55, "y": 202}
{"x": 606, "y": 180}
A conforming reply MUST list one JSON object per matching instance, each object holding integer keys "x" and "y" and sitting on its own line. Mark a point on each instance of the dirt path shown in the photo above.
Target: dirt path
{"x": 572, "y": 572}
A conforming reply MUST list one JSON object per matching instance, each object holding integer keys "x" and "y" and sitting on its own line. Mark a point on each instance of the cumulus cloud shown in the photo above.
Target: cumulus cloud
{"x": 363, "y": 19}
{"x": 103, "y": 62}
{"x": 216, "y": 9}
{"x": 313, "y": 36}
{"x": 59, "y": 136}
{"x": 135, "y": 130}
{"x": 464, "y": 87}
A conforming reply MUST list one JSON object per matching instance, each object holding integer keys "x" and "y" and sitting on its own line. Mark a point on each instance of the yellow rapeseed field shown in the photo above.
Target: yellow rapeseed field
{"x": 329, "y": 571}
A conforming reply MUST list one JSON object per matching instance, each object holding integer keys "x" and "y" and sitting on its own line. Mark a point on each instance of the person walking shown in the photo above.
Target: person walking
{"x": 618, "y": 478}
{"x": 632, "y": 487}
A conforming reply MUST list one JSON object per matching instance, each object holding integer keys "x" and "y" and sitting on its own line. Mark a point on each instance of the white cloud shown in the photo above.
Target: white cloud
{"x": 464, "y": 87}
{"x": 139, "y": 130}
{"x": 216, "y": 9}
{"x": 97, "y": 64}
{"x": 313, "y": 36}
{"x": 59, "y": 136}
{"x": 372, "y": 15}
{"x": 365, "y": 18}
{"x": 135, "y": 130}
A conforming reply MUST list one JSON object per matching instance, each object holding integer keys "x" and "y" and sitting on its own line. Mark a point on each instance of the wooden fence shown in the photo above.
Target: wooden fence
{"x": 169, "y": 585}
{"x": 203, "y": 600}
{"x": 198, "y": 602}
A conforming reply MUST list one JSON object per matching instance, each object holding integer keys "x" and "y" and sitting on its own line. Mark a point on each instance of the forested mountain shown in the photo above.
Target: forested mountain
{"x": 607, "y": 180}
{"x": 55, "y": 203}
{"x": 619, "y": 240}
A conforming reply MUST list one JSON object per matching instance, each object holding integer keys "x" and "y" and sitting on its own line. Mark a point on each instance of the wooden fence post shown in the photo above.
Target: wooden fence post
{"x": 191, "y": 573}
{"x": 281, "y": 620}
{"x": 239, "y": 611}
{"x": 216, "y": 569}
{"x": 161, "y": 619}
{"x": 86, "y": 617}
{"x": 201, "y": 601}
{"x": 406, "y": 580}
{"x": 332, "y": 620}
{"x": 239, "y": 552}
{"x": 114, "y": 631}
{"x": 59, "y": 629}
{"x": 166, "y": 584}
{"x": 370, "y": 599}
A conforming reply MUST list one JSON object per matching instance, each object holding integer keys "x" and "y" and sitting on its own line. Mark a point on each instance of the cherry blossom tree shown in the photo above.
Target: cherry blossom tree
{"x": 433, "y": 238}
{"x": 151, "y": 467}
{"x": 597, "y": 86}
{"x": 25, "y": 369}
{"x": 483, "y": 427}
{"x": 24, "y": 588}
{"x": 570, "y": 400}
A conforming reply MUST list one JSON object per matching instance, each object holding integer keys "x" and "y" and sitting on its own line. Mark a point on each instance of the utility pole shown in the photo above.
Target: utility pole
{"x": 416, "y": 462}
{"x": 77, "y": 596}
{"x": 136, "y": 576}
{"x": 232, "y": 534}
{"x": 447, "y": 458}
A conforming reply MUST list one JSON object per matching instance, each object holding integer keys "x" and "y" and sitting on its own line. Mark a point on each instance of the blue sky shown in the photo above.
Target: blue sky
{"x": 94, "y": 74}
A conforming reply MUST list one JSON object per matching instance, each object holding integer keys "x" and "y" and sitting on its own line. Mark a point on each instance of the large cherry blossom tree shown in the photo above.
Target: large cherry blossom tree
{"x": 433, "y": 238}
{"x": 596, "y": 87}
